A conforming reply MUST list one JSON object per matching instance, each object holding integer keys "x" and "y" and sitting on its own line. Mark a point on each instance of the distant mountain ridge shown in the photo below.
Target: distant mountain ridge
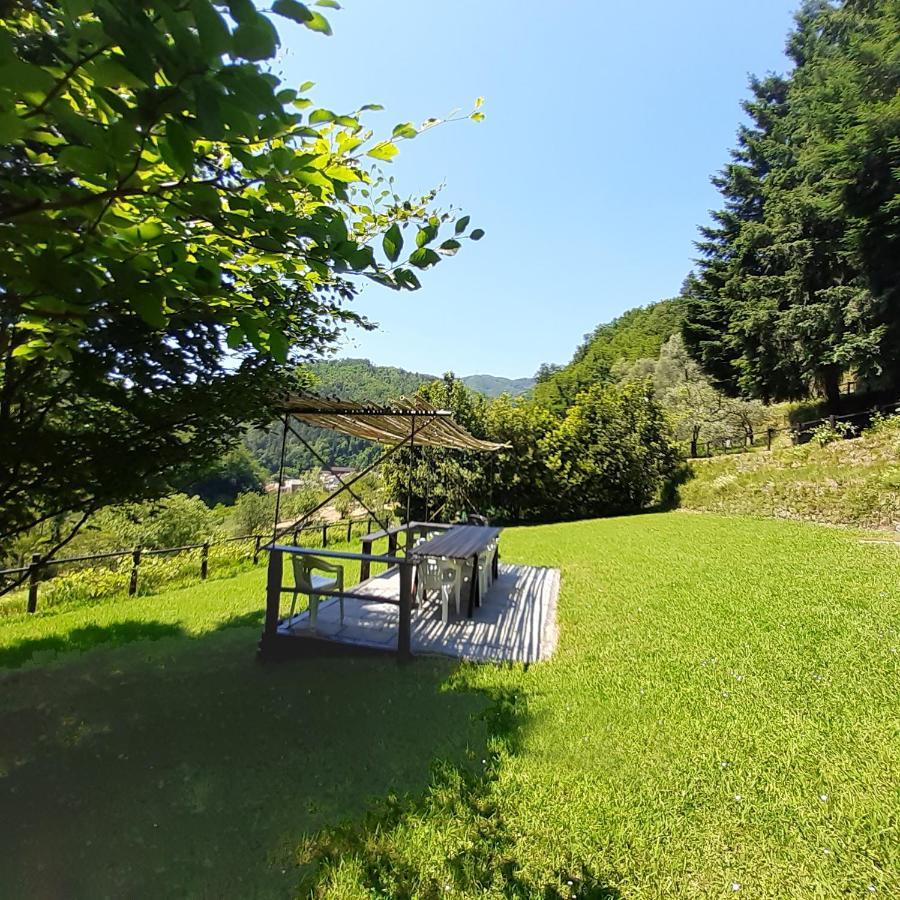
{"x": 361, "y": 379}
{"x": 495, "y": 385}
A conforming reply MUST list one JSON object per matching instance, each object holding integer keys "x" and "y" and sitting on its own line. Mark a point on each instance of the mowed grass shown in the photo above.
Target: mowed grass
{"x": 721, "y": 719}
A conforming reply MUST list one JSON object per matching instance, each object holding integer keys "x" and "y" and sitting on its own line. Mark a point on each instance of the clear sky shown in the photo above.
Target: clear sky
{"x": 589, "y": 175}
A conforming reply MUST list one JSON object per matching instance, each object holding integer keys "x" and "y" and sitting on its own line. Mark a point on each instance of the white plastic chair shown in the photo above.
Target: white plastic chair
{"x": 486, "y": 569}
{"x": 443, "y": 576}
{"x": 307, "y": 583}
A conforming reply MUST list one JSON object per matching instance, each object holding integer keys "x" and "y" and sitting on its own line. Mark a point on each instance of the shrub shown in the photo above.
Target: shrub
{"x": 612, "y": 452}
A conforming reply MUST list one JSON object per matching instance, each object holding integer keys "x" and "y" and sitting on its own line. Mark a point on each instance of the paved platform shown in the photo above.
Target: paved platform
{"x": 516, "y": 620}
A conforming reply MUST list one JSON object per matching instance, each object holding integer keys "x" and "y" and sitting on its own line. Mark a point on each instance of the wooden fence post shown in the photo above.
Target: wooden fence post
{"x": 135, "y": 562}
{"x": 204, "y": 560}
{"x": 349, "y": 530}
{"x": 324, "y": 536}
{"x": 33, "y": 570}
{"x": 256, "y": 543}
{"x": 368, "y": 526}
{"x": 769, "y": 433}
{"x": 365, "y": 565}
{"x": 404, "y": 652}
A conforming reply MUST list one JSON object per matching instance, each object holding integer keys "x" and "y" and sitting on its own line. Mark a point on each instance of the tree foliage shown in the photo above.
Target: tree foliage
{"x": 696, "y": 410}
{"x": 177, "y": 229}
{"x": 609, "y": 453}
{"x": 798, "y": 280}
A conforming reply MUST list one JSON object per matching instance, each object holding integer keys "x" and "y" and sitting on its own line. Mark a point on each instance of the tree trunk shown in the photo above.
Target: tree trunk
{"x": 830, "y": 380}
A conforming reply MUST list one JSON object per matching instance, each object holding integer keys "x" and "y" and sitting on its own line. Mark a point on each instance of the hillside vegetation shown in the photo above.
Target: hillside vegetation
{"x": 844, "y": 482}
{"x": 607, "y": 351}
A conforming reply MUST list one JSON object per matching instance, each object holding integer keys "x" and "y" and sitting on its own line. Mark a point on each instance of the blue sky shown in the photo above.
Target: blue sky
{"x": 589, "y": 174}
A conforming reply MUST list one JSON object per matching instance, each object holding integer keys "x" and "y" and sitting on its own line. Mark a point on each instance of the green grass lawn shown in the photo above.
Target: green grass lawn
{"x": 721, "y": 718}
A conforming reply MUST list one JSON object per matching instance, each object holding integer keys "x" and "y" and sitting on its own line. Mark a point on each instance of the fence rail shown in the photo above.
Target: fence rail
{"x": 800, "y": 431}
{"x": 39, "y": 566}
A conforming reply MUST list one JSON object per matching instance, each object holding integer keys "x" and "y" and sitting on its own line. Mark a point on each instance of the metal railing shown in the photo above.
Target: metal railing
{"x": 275, "y": 587}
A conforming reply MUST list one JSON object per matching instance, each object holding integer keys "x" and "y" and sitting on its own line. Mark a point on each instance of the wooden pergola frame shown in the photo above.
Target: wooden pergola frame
{"x": 398, "y": 424}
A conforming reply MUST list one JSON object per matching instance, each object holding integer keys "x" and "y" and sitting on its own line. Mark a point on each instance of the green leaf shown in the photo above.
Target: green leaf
{"x": 385, "y": 151}
{"x": 209, "y": 112}
{"x": 405, "y": 130}
{"x": 181, "y": 145}
{"x": 343, "y": 173}
{"x": 423, "y": 258}
{"x": 255, "y": 39}
{"x": 449, "y": 247}
{"x": 319, "y": 23}
{"x": 150, "y": 309}
{"x": 278, "y": 346}
{"x": 84, "y": 161}
{"x": 462, "y": 224}
{"x": 293, "y": 10}
{"x": 392, "y": 243}
{"x": 110, "y": 72}
{"x": 146, "y": 231}
{"x": 25, "y": 78}
{"x": 234, "y": 337}
{"x": 211, "y": 28}
{"x": 477, "y": 234}
{"x": 407, "y": 279}
{"x": 426, "y": 235}
{"x": 477, "y": 116}
{"x": 331, "y": 4}
{"x": 11, "y": 128}
{"x": 321, "y": 115}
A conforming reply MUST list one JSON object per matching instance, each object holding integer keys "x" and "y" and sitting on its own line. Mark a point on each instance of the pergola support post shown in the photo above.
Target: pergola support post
{"x": 274, "y": 576}
{"x": 284, "y": 432}
{"x": 404, "y": 631}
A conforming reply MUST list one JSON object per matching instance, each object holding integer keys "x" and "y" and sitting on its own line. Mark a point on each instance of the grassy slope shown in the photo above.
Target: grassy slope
{"x": 851, "y": 482}
{"x": 722, "y": 711}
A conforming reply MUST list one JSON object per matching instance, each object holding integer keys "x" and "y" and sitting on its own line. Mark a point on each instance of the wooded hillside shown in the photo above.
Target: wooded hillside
{"x": 606, "y": 352}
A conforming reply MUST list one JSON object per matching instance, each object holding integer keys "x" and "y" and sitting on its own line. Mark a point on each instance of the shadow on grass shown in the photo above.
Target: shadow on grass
{"x": 180, "y": 766}
{"x": 80, "y": 639}
{"x": 461, "y": 802}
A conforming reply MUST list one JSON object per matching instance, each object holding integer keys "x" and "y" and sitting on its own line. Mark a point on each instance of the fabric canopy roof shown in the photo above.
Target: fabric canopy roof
{"x": 386, "y": 424}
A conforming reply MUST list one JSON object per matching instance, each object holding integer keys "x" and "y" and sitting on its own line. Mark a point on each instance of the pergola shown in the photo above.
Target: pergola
{"x": 400, "y": 423}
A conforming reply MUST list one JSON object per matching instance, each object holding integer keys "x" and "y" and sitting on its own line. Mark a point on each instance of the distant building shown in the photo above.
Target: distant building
{"x": 288, "y": 486}
{"x": 331, "y": 476}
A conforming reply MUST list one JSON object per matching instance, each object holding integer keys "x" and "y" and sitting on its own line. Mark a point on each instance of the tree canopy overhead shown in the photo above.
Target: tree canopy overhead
{"x": 177, "y": 227}
{"x": 798, "y": 281}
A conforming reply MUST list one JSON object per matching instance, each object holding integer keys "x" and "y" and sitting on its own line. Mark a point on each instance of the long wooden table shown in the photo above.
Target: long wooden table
{"x": 463, "y": 542}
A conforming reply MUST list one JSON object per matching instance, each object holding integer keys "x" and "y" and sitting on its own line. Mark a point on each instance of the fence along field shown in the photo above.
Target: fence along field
{"x": 800, "y": 432}
{"x": 95, "y": 575}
